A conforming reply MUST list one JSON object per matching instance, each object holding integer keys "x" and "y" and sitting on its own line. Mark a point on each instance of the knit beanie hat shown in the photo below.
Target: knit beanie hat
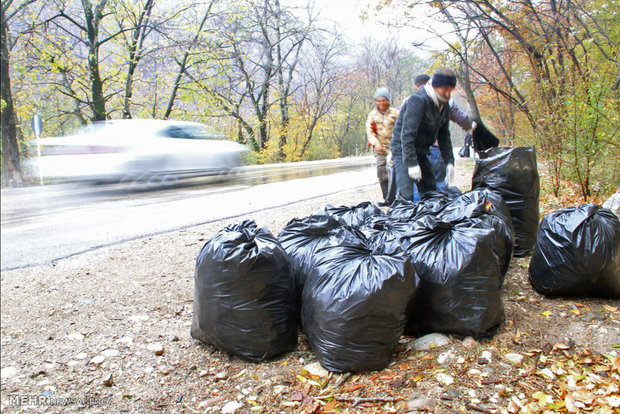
{"x": 421, "y": 79}
{"x": 382, "y": 92}
{"x": 440, "y": 80}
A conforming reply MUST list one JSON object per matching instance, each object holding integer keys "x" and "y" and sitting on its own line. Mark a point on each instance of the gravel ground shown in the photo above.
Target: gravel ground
{"x": 108, "y": 331}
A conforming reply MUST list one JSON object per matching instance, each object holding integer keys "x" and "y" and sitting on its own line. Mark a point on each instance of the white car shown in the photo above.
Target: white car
{"x": 137, "y": 150}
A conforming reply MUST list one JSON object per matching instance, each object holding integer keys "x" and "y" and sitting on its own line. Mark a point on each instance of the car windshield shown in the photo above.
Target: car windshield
{"x": 185, "y": 131}
{"x": 162, "y": 129}
{"x": 90, "y": 128}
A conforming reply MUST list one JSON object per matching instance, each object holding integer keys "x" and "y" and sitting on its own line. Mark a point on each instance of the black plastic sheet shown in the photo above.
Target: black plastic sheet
{"x": 460, "y": 278}
{"x": 244, "y": 294}
{"x": 577, "y": 253}
{"x": 513, "y": 173}
{"x": 354, "y": 304}
{"x": 354, "y": 216}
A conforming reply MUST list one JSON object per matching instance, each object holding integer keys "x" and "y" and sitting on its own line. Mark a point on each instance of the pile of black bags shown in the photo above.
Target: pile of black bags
{"x": 355, "y": 279}
{"x": 577, "y": 253}
{"x": 359, "y": 276}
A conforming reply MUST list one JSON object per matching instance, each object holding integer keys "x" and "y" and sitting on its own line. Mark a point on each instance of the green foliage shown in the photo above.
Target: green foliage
{"x": 545, "y": 73}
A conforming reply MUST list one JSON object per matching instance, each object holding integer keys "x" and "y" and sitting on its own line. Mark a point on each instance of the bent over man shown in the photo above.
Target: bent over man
{"x": 424, "y": 118}
{"x": 379, "y": 127}
{"x": 457, "y": 116}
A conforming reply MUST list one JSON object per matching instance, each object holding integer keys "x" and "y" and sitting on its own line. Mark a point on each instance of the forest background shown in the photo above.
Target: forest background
{"x": 277, "y": 76}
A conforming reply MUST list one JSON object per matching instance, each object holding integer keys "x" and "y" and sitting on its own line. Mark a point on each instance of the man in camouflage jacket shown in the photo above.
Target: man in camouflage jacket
{"x": 379, "y": 126}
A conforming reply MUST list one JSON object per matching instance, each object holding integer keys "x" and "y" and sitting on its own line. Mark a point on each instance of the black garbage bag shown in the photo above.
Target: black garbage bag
{"x": 405, "y": 210}
{"x": 477, "y": 203}
{"x": 302, "y": 238}
{"x": 460, "y": 278}
{"x": 513, "y": 173}
{"x": 244, "y": 294}
{"x": 491, "y": 210}
{"x": 483, "y": 139}
{"x": 464, "y": 151}
{"x": 352, "y": 216}
{"x": 384, "y": 232}
{"x": 445, "y": 194}
{"x": 577, "y": 253}
{"x": 354, "y": 302}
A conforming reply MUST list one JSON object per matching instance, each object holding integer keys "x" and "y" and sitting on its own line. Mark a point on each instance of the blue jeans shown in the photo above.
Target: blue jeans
{"x": 439, "y": 171}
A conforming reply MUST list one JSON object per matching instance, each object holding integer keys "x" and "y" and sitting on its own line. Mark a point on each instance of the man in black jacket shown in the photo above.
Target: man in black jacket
{"x": 424, "y": 118}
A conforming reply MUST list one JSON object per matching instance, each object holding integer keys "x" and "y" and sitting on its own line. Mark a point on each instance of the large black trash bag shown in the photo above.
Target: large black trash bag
{"x": 244, "y": 294}
{"x": 385, "y": 232}
{"x": 460, "y": 278}
{"x": 405, "y": 210}
{"x": 491, "y": 210}
{"x": 577, "y": 253}
{"x": 352, "y": 216}
{"x": 301, "y": 238}
{"x": 354, "y": 302}
{"x": 513, "y": 173}
{"x": 477, "y": 203}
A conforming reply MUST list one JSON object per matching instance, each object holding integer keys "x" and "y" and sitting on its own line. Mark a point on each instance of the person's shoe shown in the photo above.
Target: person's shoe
{"x": 383, "y": 203}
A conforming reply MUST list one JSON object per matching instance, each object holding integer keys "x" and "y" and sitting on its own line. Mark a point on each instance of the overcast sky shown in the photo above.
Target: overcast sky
{"x": 347, "y": 15}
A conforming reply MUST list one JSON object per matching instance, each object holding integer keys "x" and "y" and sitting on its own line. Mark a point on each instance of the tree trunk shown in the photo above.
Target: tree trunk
{"x": 466, "y": 84}
{"x": 93, "y": 18}
{"x": 183, "y": 64}
{"x": 135, "y": 54}
{"x": 11, "y": 162}
{"x": 284, "y": 117}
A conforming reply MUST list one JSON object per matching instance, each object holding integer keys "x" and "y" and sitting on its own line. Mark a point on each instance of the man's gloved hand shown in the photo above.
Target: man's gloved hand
{"x": 449, "y": 174}
{"x": 415, "y": 173}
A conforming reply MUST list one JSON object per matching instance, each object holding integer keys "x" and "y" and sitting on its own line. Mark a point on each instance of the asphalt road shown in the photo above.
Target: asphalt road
{"x": 43, "y": 224}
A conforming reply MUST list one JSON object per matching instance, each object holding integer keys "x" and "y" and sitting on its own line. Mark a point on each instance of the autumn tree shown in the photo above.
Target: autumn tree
{"x": 11, "y": 158}
{"x": 138, "y": 23}
{"x": 557, "y": 63}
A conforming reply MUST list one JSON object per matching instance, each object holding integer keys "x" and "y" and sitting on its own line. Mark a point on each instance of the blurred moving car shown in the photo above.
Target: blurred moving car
{"x": 141, "y": 151}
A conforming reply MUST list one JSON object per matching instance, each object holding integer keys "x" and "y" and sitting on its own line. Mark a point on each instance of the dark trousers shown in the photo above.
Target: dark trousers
{"x": 404, "y": 183}
{"x": 391, "y": 190}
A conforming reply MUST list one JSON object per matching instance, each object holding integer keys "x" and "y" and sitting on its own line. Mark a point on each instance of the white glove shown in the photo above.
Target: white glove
{"x": 415, "y": 173}
{"x": 474, "y": 124}
{"x": 449, "y": 174}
